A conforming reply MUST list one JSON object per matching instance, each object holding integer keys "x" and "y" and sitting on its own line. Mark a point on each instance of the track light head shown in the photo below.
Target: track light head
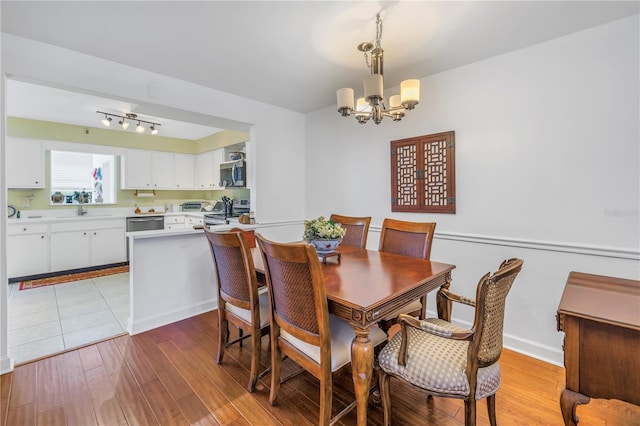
{"x": 139, "y": 128}
{"x": 106, "y": 120}
{"x": 153, "y": 129}
{"x": 123, "y": 124}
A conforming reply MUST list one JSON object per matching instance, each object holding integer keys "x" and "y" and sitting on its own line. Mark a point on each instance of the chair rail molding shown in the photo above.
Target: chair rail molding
{"x": 564, "y": 247}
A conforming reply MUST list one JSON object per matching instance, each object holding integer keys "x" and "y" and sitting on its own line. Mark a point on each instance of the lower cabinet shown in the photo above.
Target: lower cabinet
{"x": 108, "y": 246}
{"x": 27, "y": 250}
{"x": 70, "y": 250}
{"x": 34, "y": 249}
{"x": 175, "y": 222}
{"x": 95, "y": 243}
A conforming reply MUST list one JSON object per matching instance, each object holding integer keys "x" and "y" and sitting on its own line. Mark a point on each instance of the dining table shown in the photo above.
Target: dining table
{"x": 363, "y": 286}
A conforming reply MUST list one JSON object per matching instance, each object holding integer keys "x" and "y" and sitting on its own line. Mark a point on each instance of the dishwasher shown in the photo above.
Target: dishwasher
{"x": 146, "y": 223}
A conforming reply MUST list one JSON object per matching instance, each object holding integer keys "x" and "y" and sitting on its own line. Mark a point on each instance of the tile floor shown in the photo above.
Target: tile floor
{"x": 46, "y": 320}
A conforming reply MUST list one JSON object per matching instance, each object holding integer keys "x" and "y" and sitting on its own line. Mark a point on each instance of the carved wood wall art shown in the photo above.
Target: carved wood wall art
{"x": 423, "y": 174}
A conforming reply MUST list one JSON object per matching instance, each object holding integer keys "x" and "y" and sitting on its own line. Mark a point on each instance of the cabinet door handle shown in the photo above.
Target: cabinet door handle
{"x": 94, "y": 233}
{"x": 42, "y": 236}
{"x": 24, "y": 229}
{"x": 84, "y": 233}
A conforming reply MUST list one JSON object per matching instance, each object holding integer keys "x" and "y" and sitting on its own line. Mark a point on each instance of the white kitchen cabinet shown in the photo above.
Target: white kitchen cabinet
{"x": 191, "y": 221}
{"x": 70, "y": 250}
{"x": 27, "y": 250}
{"x": 183, "y": 171}
{"x": 162, "y": 170}
{"x": 25, "y": 163}
{"x": 86, "y": 243}
{"x": 175, "y": 222}
{"x": 208, "y": 169}
{"x": 136, "y": 171}
{"x": 108, "y": 246}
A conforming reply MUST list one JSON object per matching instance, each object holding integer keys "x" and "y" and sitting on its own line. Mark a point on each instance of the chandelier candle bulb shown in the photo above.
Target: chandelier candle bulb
{"x": 373, "y": 87}
{"x": 345, "y": 98}
{"x": 394, "y": 101}
{"x": 410, "y": 93}
{"x": 362, "y": 106}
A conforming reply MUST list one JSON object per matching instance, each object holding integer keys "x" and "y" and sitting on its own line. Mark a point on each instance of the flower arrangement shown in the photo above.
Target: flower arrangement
{"x": 322, "y": 229}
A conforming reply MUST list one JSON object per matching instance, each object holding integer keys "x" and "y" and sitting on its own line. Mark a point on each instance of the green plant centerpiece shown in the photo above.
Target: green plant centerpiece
{"x": 324, "y": 235}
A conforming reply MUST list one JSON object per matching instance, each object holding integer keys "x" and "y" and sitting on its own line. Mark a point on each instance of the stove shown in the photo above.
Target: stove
{"x": 213, "y": 219}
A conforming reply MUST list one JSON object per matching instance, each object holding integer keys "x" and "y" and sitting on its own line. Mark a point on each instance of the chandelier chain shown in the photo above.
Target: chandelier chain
{"x": 378, "y": 32}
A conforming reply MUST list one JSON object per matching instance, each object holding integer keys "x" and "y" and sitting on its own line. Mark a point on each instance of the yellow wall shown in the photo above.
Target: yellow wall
{"x": 38, "y": 199}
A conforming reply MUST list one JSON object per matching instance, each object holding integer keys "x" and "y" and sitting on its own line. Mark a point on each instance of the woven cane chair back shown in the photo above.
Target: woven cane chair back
{"x": 357, "y": 229}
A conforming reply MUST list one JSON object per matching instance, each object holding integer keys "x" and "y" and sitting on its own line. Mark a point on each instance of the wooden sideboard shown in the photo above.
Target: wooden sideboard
{"x": 600, "y": 317}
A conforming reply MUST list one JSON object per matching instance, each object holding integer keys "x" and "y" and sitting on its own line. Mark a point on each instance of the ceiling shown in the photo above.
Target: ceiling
{"x": 292, "y": 54}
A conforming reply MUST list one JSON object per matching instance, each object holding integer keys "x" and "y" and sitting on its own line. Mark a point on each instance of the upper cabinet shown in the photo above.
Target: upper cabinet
{"x": 165, "y": 170}
{"x": 207, "y": 173}
{"x": 136, "y": 169}
{"x": 25, "y": 163}
{"x": 162, "y": 170}
{"x": 156, "y": 170}
{"x": 183, "y": 172}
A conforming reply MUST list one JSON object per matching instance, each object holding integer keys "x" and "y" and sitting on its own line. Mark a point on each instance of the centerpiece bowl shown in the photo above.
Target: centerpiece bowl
{"x": 324, "y": 235}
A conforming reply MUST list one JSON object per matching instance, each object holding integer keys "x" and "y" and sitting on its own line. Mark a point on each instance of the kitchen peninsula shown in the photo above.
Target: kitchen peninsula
{"x": 171, "y": 273}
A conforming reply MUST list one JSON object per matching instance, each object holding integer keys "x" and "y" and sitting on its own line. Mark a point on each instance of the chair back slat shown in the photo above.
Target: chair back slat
{"x": 412, "y": 239}
{"x": 357, "y": 229}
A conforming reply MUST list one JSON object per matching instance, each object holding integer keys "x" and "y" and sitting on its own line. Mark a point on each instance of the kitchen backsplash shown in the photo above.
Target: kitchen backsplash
{"x": 39, "y": 199}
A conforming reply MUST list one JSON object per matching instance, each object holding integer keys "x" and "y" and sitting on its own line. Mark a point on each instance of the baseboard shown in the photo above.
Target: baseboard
{"x": 141, "y": 325}
{"x": 66, "y": 272}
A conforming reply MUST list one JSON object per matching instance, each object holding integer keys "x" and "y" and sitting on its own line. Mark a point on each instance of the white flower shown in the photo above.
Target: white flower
{"x": 322, "y": 229}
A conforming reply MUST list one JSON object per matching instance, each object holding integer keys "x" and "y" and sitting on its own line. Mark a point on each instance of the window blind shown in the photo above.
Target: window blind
{"x": 71, "y": 171}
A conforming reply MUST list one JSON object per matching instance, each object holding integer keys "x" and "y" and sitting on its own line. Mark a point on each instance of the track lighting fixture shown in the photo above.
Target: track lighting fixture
{"x": 124, "y": 123}
{"x": 106, "y": 120}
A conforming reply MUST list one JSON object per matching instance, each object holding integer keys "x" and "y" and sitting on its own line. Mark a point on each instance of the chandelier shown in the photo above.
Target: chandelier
{"x": 124, "y": 122}
{"x": 373, "y": 105}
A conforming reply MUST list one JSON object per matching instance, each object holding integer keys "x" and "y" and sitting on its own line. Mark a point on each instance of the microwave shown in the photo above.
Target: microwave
{"x": 233, "y": 173}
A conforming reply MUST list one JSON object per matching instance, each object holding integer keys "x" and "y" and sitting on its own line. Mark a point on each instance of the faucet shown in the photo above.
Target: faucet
{"x": 82, "y": 210}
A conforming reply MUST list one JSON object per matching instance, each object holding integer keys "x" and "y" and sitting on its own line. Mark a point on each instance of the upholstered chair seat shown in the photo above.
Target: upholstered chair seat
{"x": 435, "y": 364}
{"x": 245, "y": 314}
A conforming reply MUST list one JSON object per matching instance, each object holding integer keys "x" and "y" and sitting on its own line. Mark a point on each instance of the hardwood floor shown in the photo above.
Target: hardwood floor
{"x": 169, "y": 376}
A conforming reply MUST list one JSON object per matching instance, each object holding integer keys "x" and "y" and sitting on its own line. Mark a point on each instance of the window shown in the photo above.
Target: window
{"x": 82, "y": 178}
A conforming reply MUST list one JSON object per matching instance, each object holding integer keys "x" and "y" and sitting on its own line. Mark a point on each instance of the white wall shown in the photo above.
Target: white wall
{"x": 547, "y": 169}
{"x": 277, "y": 135}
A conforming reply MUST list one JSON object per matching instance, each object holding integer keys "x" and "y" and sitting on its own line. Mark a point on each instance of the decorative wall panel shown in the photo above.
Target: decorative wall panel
{"x": 423, "y": 174}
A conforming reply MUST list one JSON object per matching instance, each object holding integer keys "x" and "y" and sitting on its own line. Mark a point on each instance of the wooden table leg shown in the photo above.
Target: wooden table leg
{"x": 444, "y": 305}
{"x": 568, "y": 402}
{"x": 362, "y": 370}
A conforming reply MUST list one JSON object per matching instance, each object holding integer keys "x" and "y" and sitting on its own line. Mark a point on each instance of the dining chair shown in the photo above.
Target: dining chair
{"x": 301, "y": 326}
{"x": 357, "y": 229}
{"x": 447, "y": 360}
{"x": 412, "y": 239}
{"x": 239, "y": 301}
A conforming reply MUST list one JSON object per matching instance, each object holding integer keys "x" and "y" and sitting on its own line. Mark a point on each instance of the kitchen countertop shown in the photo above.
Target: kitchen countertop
{"x": 52, "y": 216}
